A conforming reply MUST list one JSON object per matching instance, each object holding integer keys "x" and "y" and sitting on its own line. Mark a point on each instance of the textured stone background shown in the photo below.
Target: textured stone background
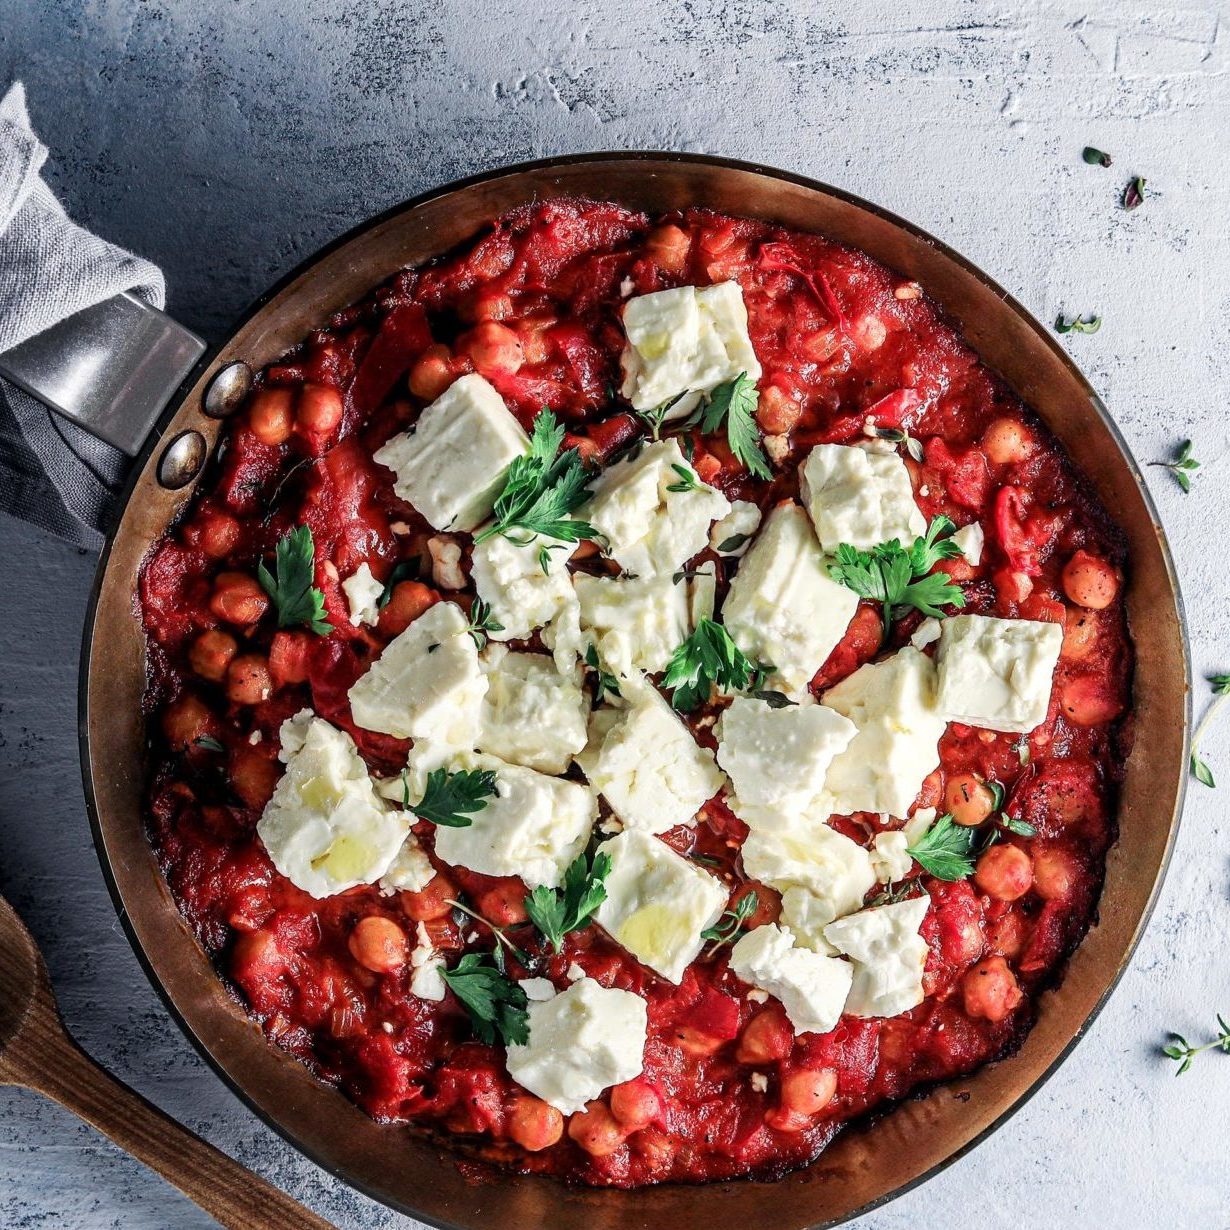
{"x": 229, "y": 140}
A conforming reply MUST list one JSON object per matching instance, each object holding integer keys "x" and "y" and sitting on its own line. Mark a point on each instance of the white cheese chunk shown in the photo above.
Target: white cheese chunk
{"x": 859, "y": 496}
{"x": 776, "y": 756}
{"x": 658, "y": 902}
{"x": 643, "y": 760}
{"x": 927, "y": 633}
{"x": 581, "y": 1041}
{"x": 537, "y": 989}
{"x": 324, "y": 828}
{"x": 532, "y": 714}
{"x": 918, "y": 825}
{"x": 426, "y": 981}
{"x": 427, "y": 683}
{"x": 650, "y": 528}
{"x": 891, "y": 857}
{"x": 633, "y": 624}
{"x": 971, "y": 539}
{"x": 510, "y": 579}
{"x": 453, "y": 465}
{"x": 997, "y": 673}
{"x": 702, "y": 592}
{"x": 888, "y": 955}
{"x": 812, "y": 987}
{"x": 732, "y": 535}
{"x": 783, "y": 607}
{"x": 363, "y": 593}
{"x": 410, "y": 871}
{"x": 893, "y": 705}
{"x": 683, "y": 343}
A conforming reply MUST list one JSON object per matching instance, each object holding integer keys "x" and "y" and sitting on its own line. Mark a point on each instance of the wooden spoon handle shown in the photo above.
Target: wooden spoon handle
{"x": 227, "y": 1191}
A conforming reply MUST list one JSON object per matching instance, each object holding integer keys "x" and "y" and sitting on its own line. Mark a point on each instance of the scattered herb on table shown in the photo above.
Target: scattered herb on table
{"x": 483, "y": 622}
{"x": 1134, "y": 193}
{"x": 1183, "y": 1053}
{"x": 450, "y": 799}
{"x": 290, "y": 586}
{"x": 1077, "y": 324}
{"x": 708, "y": 658}
{"x": 1183, "y": 465}
{"x": 1221, "y": 690}
{"x": 555, "y": 912}
{"x": 726, "y": 929}
{"x": 495, "y": 1003}
{"x": 734, "y": 403}
{"x": 1096, "y": 157}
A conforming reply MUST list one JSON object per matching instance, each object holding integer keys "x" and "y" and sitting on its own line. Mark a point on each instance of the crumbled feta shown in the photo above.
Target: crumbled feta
{"x": 410, "y": 871}
{"x": 293, "y": 732}
{"x": 633, "y": 623}
{"x": 426, "y": 981}
{"x": 362, "y": 592}
{"x": 255, "y": 737}
{"x": 805, "y": 916}
{"x": 643, "y": 760}
{"x": 702, "y": 592}
{"x": 891, "y": 857}
{"x": 324, "y": 828}
{"x": 917, "y": 826}
{"x": 658, "y": 902}
{"x": 996, "y": 673}
{"x": 759, "y": 1082}
{"x": 783, "y": 607}
{"x": 683, "y": 343}
{"x": 453, "y": 465}
{"x": 510, "y": 579}
{"x": 888, "y": 955}
{"x": 574, "y": 972}
{"x": 757, "y": 996}
{"x": 736, "y": 529}
{"x": 859, "y": 496}
{"x": 651, "y": 529}
{"x": 927, "y": 633}
{"x": 812, "y": 987}
{"x": 532, "y": 714}
{"x": 427, "y": 683}
{"x": 893, "y": 705}
{"x": 581, "y": 1041}
{"x": 538, "y": 990}
{"x": 778, "y": 448}
{"x": 971, "y": 539}
{"x": 446, "y": 563}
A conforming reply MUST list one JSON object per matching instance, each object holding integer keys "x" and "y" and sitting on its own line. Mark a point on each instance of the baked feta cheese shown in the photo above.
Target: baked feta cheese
{"x": 532, "y": 714}
{"x": 997, "y": 673}
{"x": 732, "y": 535}
{"x": 427, "y": 683}
{"x": 859, "y": 496}
{"x": 633, "y": 623}
{"x": 650, "y": 528}
{"x": 811, "y": 987}
{"x": 363, "y": 593}
{"x": 783, "y": 607}
{"x": 899, "y": 727}
{"x": 643, "y": 760}
{"x": 325, "y": 829}
{"x": 581, "y": 1041}
{"x": 702, "y": 592}
{"x": 509, "y": 578}
{"x": 658, "y": 902}
{"x": 890, "y": 856}
{"x": 971, "y": 540}
{"x": 426, "y": 981}
{"x": 683, "y": 343}
{"x": 410, "y": 871}
{"x": 452, "y": 466}
{"x": 888, "y": 954}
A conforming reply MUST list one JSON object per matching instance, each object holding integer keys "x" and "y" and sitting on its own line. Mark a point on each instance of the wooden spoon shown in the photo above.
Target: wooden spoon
{"x": 36, "y": 1051}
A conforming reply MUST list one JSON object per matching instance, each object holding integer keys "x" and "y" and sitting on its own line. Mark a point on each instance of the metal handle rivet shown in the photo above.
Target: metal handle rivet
{"x": 182, "y": 459}
{"x": 228, "y": 390}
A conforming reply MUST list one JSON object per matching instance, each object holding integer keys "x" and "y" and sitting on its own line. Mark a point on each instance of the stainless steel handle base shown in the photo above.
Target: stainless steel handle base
{"x": 110, "y": 369}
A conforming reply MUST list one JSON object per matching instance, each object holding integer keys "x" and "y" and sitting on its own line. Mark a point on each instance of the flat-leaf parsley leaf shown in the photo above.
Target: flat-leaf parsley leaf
{"x": 728, "y": 926}
{"x": 945, "y": 850}
{"x": 1182, "y": 466}
{"x": 451, "y": 798}
{"x": 734, "y": 403}
{"x": 1221, "y": 691}
{"x": 495, "y": 1003}
{"x": 555, "y": 912}
{"x": 298, "y": 601}
{"x": 707, "y": 658}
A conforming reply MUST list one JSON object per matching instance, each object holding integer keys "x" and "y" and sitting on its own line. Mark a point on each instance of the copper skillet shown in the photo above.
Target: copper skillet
{"x": 869, "y": 1163}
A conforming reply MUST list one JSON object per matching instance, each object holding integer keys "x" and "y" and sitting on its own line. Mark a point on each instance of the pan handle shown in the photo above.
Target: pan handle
{"x": 110, "y": 369}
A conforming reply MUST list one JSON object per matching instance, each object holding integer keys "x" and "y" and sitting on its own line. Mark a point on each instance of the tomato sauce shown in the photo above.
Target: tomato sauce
{"x": 533, "y": 304}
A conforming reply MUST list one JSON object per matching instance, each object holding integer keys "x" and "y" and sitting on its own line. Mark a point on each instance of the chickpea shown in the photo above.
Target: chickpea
{"x": 655, "y": 1149}
{"x": 271, "y": 416}
{"x": 765, "y": 1038}
{"x": 238, "y": 598}
{"x": 432, "y": 372}
{"x": 1086, "y": 701}
{"x": 504, "y": 904}
{"x": 668, "y": 247}
{"x": 1009, "y": 935}
{"x": 211, "y": 654}
{"x": 494, "y": 349}
{"x": 187, "y": 719}
{"x": 406, "y": 603}
{"x": 808, "y": 1091}
{"x": 1007, "y": 441}
{"x": 1012, "y": 585}
{"x": 695, "y": 1042}
{"x": 1055, "y": 873}
{"x": 533, "y": 1123}
{"x": 492, "y": 305}
{"x": 378, "y": 944}
{"x": 777, "y": 412}
{"x": 216, "y": 534}
{"x": 430, "y": 902}
{"x": 932, "y": 789}
{"x": 595, "y": 1130}
{"x": 969, "y": 800}
{"x": 990, "y": 990}
{"x": 868, "y": 332}
{"x": 289, "y": 657}
{"x": 1004, "y": 872}
{"x": 320, "y": 409}
{"x": 635, "y": 1104}
{"x": 253, "y": 775}
{"x": 248, "y": 681}
{"x": 1090, "y": 581}
{"x": 1080, "y": 632}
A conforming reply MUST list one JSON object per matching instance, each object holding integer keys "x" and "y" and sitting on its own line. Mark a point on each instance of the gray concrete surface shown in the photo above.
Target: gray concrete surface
{"x": 228, "y": 140}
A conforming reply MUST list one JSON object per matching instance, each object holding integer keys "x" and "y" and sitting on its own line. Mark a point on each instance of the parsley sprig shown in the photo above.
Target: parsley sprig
{"x": 687, "y": 480}
{"x": 451, "y": 798}
{"x": 946, "y": 850}
{"x": 605, "y": 681}
{"x": 1221, "y": 690}
{"x": 298, "y": 601}
{"x": 734, "y": 403}
{"x": 495, "y": 1003}
{"x": 728, "y": 926}
{"x": 1182, "y": 1052}
{"x": 900, "y": 577}
{"x": 502, "y": 941}
{"x": 1077, "y": 324}
{"x": 1182, "y": 466}
{"x": 542, "y": 490}
{"x": 482, "y": 622}
{"x": 556, "y": 912}
{"x": 708, "y": 658}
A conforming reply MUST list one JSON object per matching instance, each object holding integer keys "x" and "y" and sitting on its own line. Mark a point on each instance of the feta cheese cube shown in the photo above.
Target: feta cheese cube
{"x": 325, "y": 829}
{"x": 650, "y": 528}
{"x": 783, "y": 607}
{"x": 683, "y": 343}
{"x": 997, "y": 673}
{"x": 888, "y": 955}
{"x": 452, "y": 466}
{"x": 426, "y": 981}
{"x": 859, "y": 496}
{"x": 410, "y": 871}
{"x": 812, "y": 987}
{"x": 927, "y": 633}
{"x": 509, "y": 579}
{"x": 362, "y": 592}
{"x": 893, "y": 705}
{"x": 732, "y": 535}
{"x": 581, "y": 1041}
{"x": 643, "y": 760}
{"x": 891, "y": 858}
{"x": 532, "y": 714}
{"x": 658, "y": 902}
{"x": 635, "y": 623}
{"x": 426, "y": 684}
{"x": 971, "y": 539}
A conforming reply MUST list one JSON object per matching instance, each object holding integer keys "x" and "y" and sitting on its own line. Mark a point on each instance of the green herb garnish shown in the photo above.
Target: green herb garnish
{"x": 733, "y": 543}
{"x": 1182, "y": 466}
{"x": 555, "y": 912}
{"x": 298, "y": 601}
{"x": 1134, "y": 193}
{"x": 945, "y": 850}
{"x": 451, "y": 798}
{"x": 775, "y": 700}
{"x": 495, "y": 1003}
{"x": 1077, "y": 324}
{"x": 1183, "y": 1053}
{"x": 735, "y": 404}
{"x": 502, "y": 940}
{"x": 404, "y": 570}
{"x": 728, "y": 926}
{"x": 209, "y": 743}
{"x": 708, "y": 658}
{"x": 1096, "y": 157}
{"x": 1221, "y": 690}
{"x": 653, "y": 419}
{"x": 481, "y": 623}
{"x": 606, "y": 681}
{"x": 687, "y": 479}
